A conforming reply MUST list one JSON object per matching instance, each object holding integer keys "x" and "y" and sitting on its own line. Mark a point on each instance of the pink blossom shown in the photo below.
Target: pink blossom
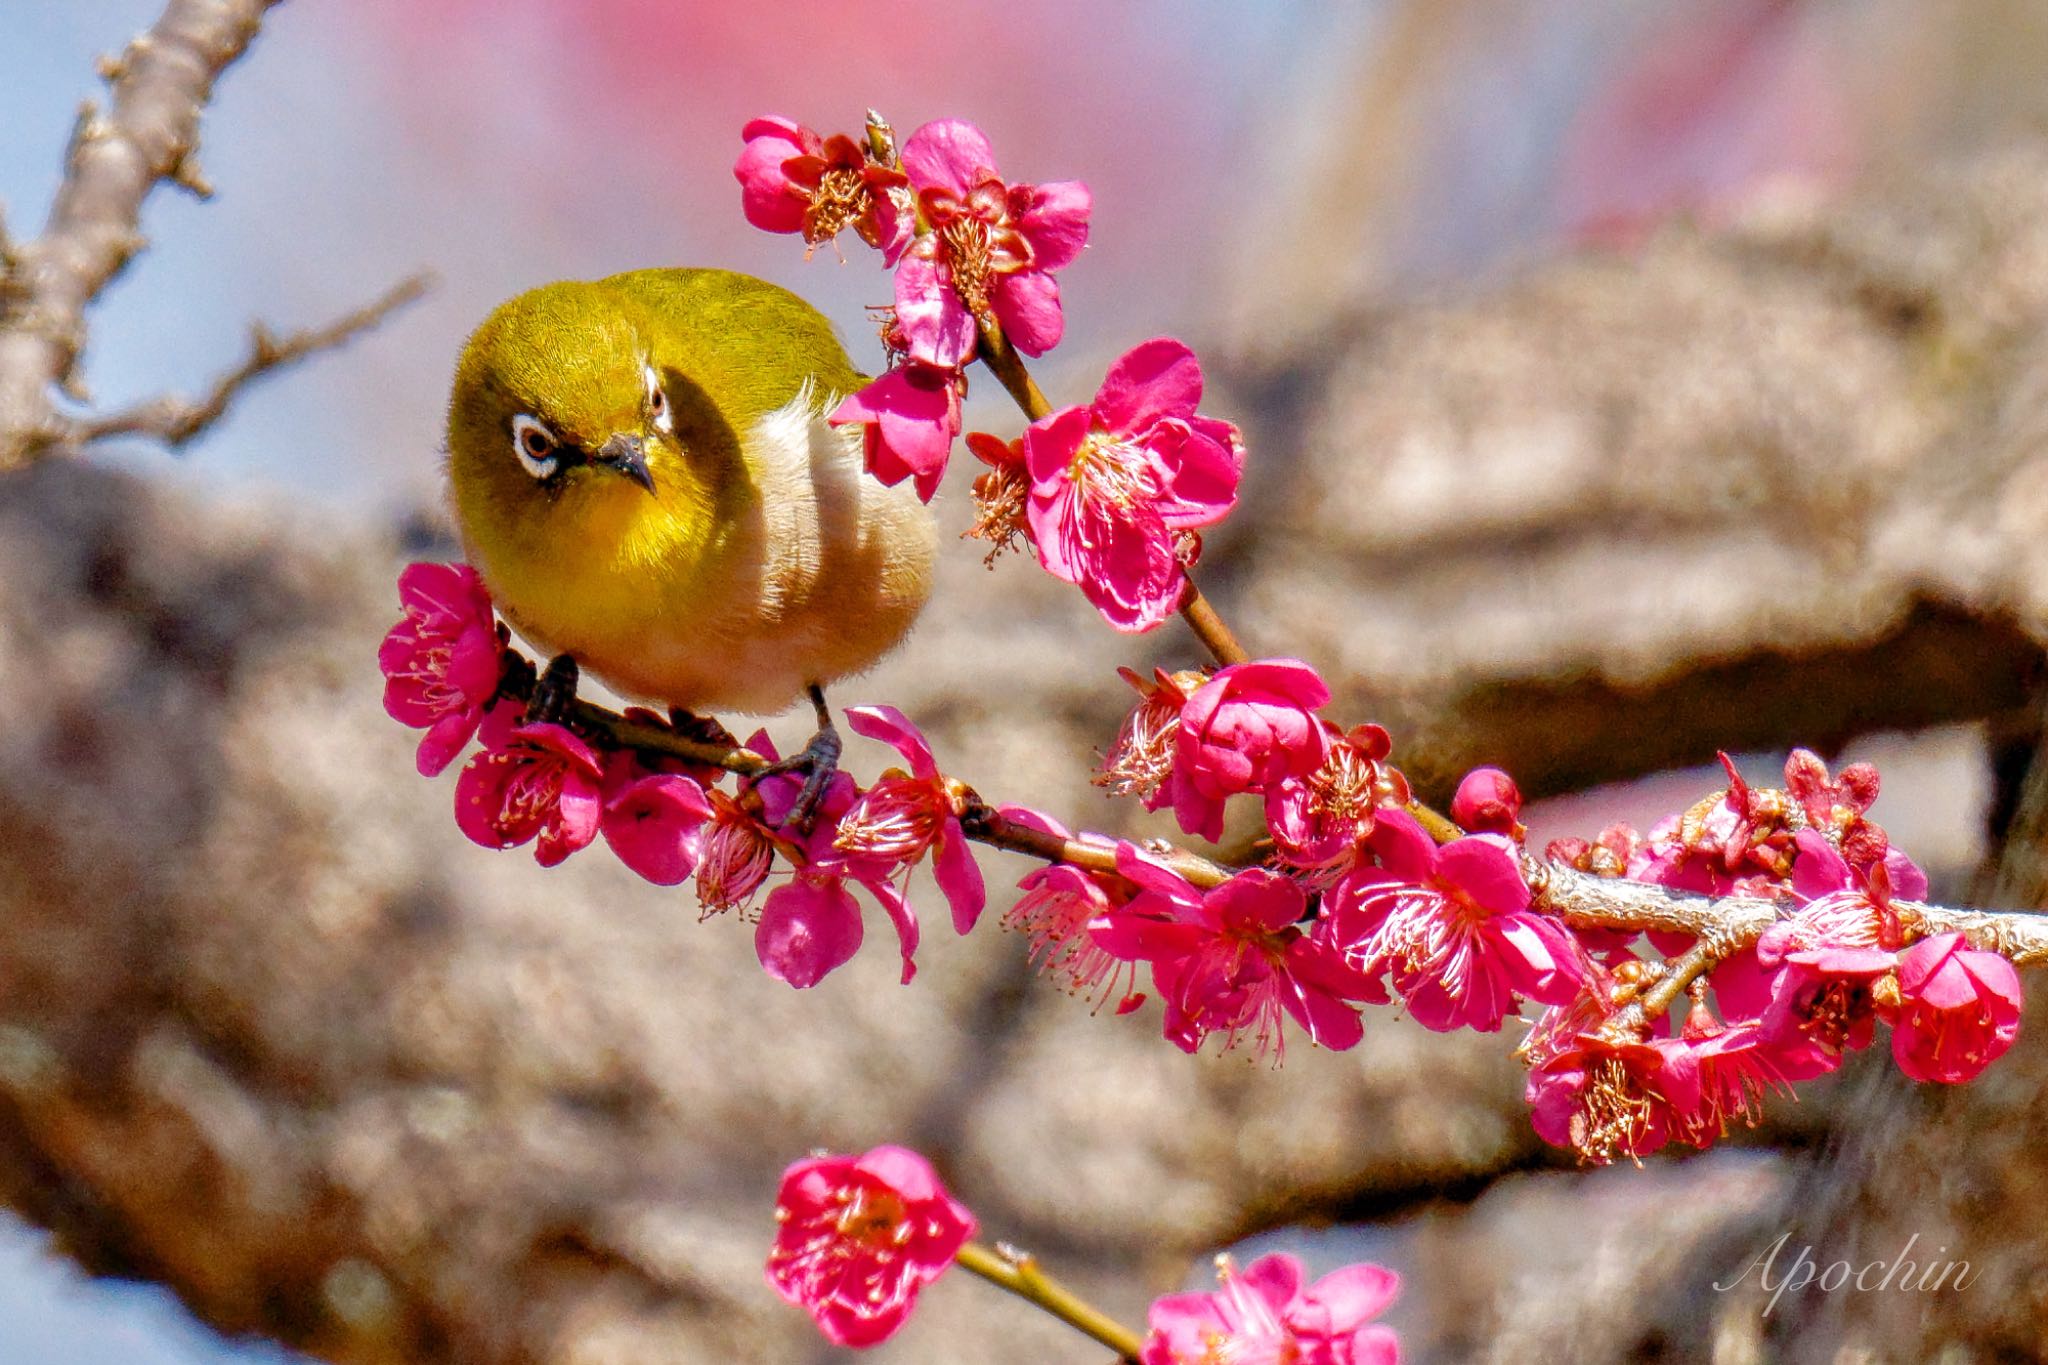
{"x": 908, "y": 420}
{"x": 736, "y": 854}
{"x": 1489, "y": 802}
{"x": 811, "y": 925}
{"x": 1607, "y": 1097}
{"x": 1115, "y": 484}
{"x": 1246, "y": 728}
{"x": 1263, "y": 1315}
{"x": 1000, "y": 494}
{"x": 791, "y": 180}
{"x": 1824, "y": 995}
{"x": 532, "y": 780}
{"x": 857, "y": 1238}
{"x": 1318, "y": 819}
{"x": 1059, "y": 904}
{"x": 1738, "y": 1066}
{"x": 1840, "y": 908}
{"x": 655, "y": 824}
{"x": 441, "y": 663}
{"x": 903, "y": 816}
{"x": 991, "y": 250}
{"x": 1232, "y": 960}
{"x": 1959, "y": 1009}
{"x": 1140, "y": 762}
{"x": 1453, "y": 925}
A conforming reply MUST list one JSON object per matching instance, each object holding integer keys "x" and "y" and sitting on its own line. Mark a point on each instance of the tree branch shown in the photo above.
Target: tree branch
{"x": 149, "y": 133}
{"x": 174, "y": 420}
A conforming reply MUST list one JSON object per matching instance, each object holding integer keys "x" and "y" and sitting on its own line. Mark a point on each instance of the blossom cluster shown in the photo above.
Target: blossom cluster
{"x": 1110, "y": 494}
{"x": 859, "y": 1238}
{"x": 1843, "y": 955}
{"x": 1359, "y": 901}
{"x": 559, "y": 788}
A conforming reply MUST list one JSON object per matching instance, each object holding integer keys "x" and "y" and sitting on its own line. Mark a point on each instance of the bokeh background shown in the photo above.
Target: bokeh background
{"x": 1551, "y": 329}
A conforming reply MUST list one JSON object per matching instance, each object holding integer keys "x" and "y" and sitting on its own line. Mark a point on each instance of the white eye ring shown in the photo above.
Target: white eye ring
{"x": 657, "y": 403}
{"x": 535, "y": 446}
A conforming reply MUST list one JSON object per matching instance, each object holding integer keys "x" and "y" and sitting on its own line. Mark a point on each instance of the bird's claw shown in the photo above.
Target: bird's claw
{"x": 554, "y": 691}
{"x": 818, "y": 762}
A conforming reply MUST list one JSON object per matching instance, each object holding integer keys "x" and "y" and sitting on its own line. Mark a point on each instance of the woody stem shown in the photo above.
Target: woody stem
{"x": 1020, "y": 1274}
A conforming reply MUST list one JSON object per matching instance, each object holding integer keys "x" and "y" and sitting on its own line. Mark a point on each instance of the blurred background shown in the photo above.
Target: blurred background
{"x": 1623, "y": 381}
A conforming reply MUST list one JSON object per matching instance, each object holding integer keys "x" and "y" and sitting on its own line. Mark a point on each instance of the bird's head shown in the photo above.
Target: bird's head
{"x": 567, "y": 423}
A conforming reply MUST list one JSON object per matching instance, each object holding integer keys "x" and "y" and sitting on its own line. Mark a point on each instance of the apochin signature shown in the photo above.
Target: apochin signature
{"x": 1804, "y": 1272}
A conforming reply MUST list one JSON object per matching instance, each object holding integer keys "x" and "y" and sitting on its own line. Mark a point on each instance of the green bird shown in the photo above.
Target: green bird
{"x": 641, "y": 471}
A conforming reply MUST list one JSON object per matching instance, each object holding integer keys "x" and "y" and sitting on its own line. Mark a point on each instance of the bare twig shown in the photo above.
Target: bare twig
{"x": 174, "y": 420}
{"x": 148, "y": 134}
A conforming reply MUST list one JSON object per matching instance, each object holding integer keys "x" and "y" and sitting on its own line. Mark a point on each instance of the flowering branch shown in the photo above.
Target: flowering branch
{"x": 1591, "y": 902}
{"x": 1019, "y": 1273}
{"x": 1667, "y": 981}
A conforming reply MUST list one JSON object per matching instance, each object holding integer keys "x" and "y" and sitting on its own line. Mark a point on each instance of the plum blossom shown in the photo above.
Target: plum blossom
{"x": 991, "y": 250}
{"x": 1248, "y": 727}
{"x": 1454, "y": 926}
{"x": 1000, "y": 494}
{"x": 1318, "y": 818}
{"x": 1140, "y": 762}
{"x": 1116, "y": 484}
{"x": 1264, "y": 1315}
{"x": 811, "y": 925}
{"x": 1827, "y": 996}
{"x": 1738, "y": 1066}
{"x": 1959, "y": 1010}
{"x": 655, "y": 824}
{"x": 538, "y": 782}
{"x": 908, "y": 419}
{"x": 1233, "y": 959}
{"x": 857, "y": 1238}
{"x": 1058, "y": 905}
{"x": 791, "y": 180}
{"x": 1606, "y": 1097}
{"x": 735, "y": 856}
{"x": 903, "y": 816}
{"x": 441, "y": 662}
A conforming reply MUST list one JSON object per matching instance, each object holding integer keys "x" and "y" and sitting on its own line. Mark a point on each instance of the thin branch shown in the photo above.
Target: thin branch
{"x": 148, "y": 133}
{"x": 1019, "y": 1273}
{"x": 1007, "y": 366}
{"x": 1209, "y": 628}
{"x": 174, "y": 420}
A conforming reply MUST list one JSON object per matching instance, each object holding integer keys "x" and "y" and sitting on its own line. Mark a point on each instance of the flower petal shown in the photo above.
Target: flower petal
{"x": 808, "y": 928}
{"x": 1154, "y": 379}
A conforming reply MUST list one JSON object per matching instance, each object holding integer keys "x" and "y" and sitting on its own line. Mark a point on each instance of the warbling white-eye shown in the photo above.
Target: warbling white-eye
{"x": 641, "y": 472}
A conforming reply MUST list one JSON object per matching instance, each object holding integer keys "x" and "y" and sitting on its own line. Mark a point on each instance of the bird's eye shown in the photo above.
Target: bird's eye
{"x": 535, "y": 445}
{"x": 657, "y": 402}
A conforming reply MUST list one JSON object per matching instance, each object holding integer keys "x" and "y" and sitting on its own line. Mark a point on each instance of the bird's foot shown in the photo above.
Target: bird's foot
{"x": 703, "y": 729}
{"x": 817, "y": 761}
{"x": 554, "y": 691}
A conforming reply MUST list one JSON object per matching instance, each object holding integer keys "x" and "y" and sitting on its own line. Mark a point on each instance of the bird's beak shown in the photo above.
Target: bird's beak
{"x": 628, "y": 455}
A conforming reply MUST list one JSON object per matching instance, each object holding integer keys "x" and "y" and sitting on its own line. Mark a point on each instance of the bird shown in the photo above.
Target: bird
{"x": 640, "y": 470}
